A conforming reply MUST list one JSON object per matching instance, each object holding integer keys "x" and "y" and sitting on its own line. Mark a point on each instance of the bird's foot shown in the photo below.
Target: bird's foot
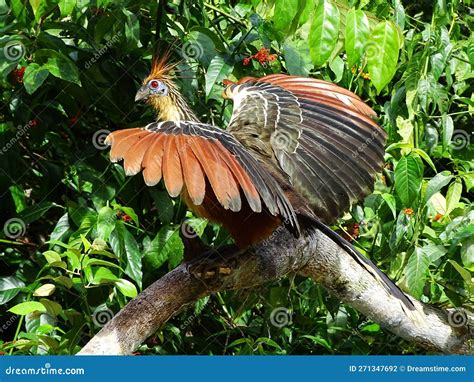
{"x": 214, "y": 264}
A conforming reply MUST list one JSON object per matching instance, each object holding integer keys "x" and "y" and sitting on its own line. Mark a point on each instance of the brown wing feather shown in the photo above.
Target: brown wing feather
{"x": 242, "y": 178}
{"x": 319, "y": 90}
{"x": 152, "y": 161}
{"x": 220, "y": 178}
{"x": 193, "y": 174}
{"x": 133, "y": 158}
{"x": 171, "y": 167}
{"x": 121, "y": 143}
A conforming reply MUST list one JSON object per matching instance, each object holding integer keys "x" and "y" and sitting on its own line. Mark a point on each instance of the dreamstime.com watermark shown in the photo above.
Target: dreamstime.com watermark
{"x": 45, "y": 370}
{"x": 8, "y": 323}
{"x": 406, "y": 368}
{"x": 103, "y": 50}
{"x": 22, "y": 130}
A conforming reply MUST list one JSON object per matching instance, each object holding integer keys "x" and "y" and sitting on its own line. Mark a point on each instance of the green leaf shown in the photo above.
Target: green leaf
{"x": 465, "y": 274}
{"x": 52, "y": 307}
{"x": 126, "y": 287}
{"x": 434, "y": 252}
{"x": 408, "y": 178}
{"x": 18, "y": 195}
{"x": 59, "y": 65}
{"x": 61, "y": 229}
{"x": 382, "y": 54}
{"x": 437, "y": 183}
{"x": 28, "y": 307}
{"x": 132, "y": 28}
{"x": 285, "y": 12}
{"x": 34, "y": 212}
{"x": 416, "y": 272}
{"x": 125, "y": 246}
{"x": 102, "y": 275}
{"x": 34, "y": 77}
{"x": 467, "y": 254}
{"x": 391, "y": 203}
{"x": 425, "y": 156}
{"x": 337, "y": 67}
{"x": 52, "y": 257}
{"x": 453, "y": 196}
{"x": 399, "y": 15}
{"x": 448, "y": 130}
{"x": 44, "y": 290}
{"x": 66, "y": 7}
{"x": 164, "y": 205}
{"x": 217, "y": 71}
{"x": 324, "y": 32}
{"x": 10, "y": 286}
{"x": 297, "y": 57}
{"x": 106, "y": 222}
{"x": 356, "y": 34}
{"x": 166, "y": 246}
{"x": 41, "y": 7}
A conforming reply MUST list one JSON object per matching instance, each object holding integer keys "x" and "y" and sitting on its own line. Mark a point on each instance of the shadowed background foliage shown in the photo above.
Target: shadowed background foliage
{"x": 78, "y": 239}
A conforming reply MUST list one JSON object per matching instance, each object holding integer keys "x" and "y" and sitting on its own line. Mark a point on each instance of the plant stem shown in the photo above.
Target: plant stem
{"x": 229, "y": 16}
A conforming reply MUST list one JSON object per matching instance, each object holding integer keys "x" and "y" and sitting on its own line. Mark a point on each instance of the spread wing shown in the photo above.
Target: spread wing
{"x": 323, "y": 137}
{"x": 190, "y": 155}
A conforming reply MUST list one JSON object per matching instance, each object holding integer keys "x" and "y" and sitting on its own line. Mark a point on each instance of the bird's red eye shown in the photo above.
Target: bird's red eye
{"x": 154, "y": 84}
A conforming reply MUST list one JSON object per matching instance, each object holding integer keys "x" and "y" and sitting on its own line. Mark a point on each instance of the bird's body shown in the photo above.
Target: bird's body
{"x": 295, "y": 149}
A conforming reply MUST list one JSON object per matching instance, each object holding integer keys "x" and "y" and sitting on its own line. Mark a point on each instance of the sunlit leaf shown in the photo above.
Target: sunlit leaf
{"x": 382, "y": 54}
{"x": 324, "y": 32}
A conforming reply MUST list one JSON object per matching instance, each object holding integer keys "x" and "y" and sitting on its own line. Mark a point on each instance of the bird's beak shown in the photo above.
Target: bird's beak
{"x": 142, "y": 94}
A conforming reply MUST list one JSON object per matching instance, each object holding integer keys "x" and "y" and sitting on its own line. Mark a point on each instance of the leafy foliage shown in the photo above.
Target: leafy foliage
{"x": 80, "y": 239}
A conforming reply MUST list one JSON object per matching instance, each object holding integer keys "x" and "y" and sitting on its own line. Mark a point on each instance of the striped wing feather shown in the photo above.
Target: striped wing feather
{"x": 190, "y": 156}
{"x": 321, "y": 136}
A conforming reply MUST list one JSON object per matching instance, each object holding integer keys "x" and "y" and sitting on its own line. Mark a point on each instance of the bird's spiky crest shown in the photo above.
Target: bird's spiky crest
{"x": 161, "y": 67}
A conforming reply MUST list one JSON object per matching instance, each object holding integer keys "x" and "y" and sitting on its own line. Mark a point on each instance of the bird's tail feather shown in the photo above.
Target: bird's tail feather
{"x": 407, "y": 304}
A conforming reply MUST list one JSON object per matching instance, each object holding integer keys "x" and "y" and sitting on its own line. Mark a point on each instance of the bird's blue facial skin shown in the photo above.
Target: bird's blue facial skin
{"x": 158, "y": 88}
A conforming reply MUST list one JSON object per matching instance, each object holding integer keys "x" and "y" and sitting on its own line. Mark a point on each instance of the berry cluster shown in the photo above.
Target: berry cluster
{"x": 263, "y": 56}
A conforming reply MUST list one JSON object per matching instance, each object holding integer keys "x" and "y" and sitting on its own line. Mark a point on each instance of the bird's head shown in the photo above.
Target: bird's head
{"x": 159, "y": 90}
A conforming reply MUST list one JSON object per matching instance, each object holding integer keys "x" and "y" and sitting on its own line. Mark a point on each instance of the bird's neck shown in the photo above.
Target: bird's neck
{"x": 173, "y": 107}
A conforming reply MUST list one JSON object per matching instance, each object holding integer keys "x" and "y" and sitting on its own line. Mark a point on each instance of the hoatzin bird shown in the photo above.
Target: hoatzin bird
{"x": 296, "y": 150}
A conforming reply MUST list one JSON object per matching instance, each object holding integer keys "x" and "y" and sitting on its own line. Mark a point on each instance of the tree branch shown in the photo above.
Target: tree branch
{"x": 313, "y": 255}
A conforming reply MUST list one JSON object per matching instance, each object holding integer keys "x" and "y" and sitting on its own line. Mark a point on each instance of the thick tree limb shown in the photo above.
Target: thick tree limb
{"x": 315, "y": 256}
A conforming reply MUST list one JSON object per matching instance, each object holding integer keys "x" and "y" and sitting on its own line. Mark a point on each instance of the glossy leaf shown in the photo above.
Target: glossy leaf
{"x": 34, "y": 77}
{"x": 324, "y": 32}
{"x": 437, "y": 183}
{"x": 355, "y": 35}
{"x": 25, "y": 308}
{"x": 382, "y": 51}
{"x": 416, "y": 272}
{"x": 408, "y": 178}
{"x": 285, "y": 12}
{"x": 10, "y": 286}
{"x": 453, "y": 196}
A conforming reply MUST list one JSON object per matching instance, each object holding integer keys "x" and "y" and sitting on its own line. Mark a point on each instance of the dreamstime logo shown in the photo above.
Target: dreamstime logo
{"x": 457, "y": 318}
{"x": 280, "y": 317}
{"x": 14, "y": 228}
{"x": 188, "y": 231}
{"x": 100, "y": 317}
{"x": 460, "y": 139}
{"x": 192, "y": 50}
{"x": 98, "y": 139}
{"x": 281, "y": 140}
{"x": 14, "y": 50}
{"x": 371, "y": 50}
